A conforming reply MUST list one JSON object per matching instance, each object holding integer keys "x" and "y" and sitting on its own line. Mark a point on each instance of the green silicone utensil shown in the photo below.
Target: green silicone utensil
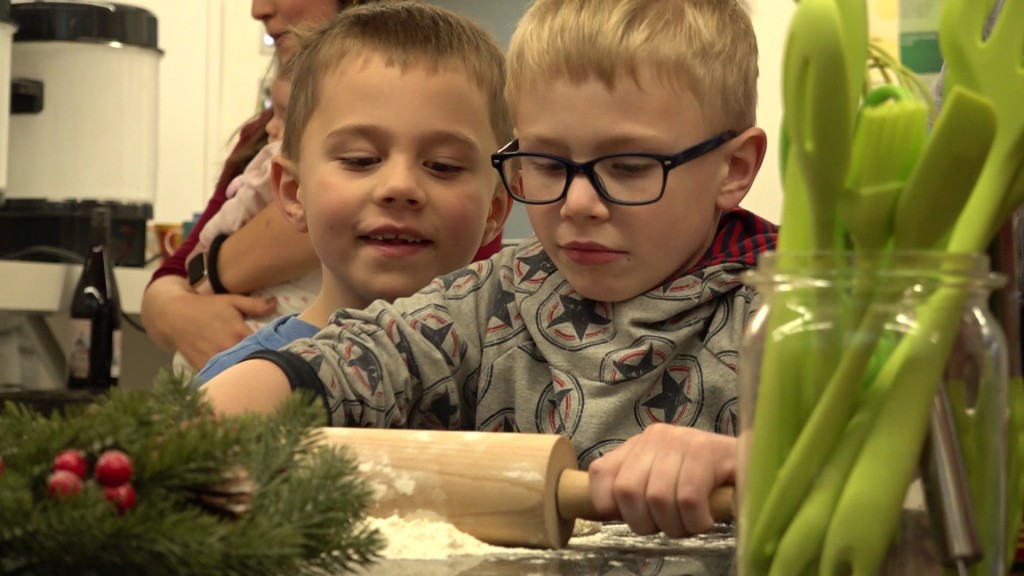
{"x": 853, "y": 18}
{"x": 891, "y": 130}
{"x": 818, "y": 120}
{"x": 990, "y": 67}
{"x": 943, "y": 179}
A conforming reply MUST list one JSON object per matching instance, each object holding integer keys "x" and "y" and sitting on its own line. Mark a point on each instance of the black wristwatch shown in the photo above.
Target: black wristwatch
{"x": 204, "y": 266}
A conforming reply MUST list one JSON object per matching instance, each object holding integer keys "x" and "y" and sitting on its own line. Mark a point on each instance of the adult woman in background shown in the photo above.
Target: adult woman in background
{"x": 194, "y": 320}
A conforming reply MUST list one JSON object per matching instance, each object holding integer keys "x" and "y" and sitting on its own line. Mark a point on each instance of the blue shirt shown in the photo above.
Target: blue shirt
{"x": 277, "y": 334}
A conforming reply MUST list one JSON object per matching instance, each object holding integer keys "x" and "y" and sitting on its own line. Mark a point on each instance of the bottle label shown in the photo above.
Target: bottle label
{"x": 81, "y": 342}
{"x": 115, "y": 355}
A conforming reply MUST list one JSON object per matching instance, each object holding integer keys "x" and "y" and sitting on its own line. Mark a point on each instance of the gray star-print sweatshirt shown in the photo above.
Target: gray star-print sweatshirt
{"x": 508, "y": 345}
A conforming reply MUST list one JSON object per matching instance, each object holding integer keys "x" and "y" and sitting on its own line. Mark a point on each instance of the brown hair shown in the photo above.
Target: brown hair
{"x": 707, "y": 45}
{"x": 405, "y": 34}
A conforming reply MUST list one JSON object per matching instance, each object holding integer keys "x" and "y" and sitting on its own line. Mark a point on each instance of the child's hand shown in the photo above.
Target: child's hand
{"x": 660, "y": 480}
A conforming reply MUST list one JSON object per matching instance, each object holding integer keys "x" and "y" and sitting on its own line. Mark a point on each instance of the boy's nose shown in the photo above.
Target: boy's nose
{"x": 582, "y": 200}
{"x": 400, "y": 185}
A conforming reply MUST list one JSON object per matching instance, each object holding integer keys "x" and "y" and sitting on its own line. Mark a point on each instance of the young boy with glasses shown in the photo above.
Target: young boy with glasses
{"x": 619, "y": 324}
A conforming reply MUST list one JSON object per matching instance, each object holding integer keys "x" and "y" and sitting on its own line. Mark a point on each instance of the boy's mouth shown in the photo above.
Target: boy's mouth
{"x": 396, "y": 238}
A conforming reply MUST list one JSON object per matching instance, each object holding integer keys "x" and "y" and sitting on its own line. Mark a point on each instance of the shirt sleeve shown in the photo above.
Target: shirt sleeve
{"x": 409, "y": 364}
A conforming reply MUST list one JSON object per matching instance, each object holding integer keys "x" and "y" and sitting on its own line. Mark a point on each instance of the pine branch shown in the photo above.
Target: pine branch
{"x": 296, "y": 508}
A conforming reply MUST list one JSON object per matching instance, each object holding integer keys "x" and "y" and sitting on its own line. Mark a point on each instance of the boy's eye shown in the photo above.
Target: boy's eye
{"x": 443, "y": 167}
{"x": 358, "y": 162}
{"x": 635, "y": 166}
{"x": 542, "y": 165}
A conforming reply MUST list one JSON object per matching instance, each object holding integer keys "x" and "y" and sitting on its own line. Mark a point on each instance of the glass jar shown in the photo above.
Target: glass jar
{"x": 873, "y": 417}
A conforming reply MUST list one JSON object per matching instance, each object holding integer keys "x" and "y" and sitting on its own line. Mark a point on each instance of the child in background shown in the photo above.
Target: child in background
{"x": 249, "y": 193}
{"x": 619, "y": 324}
{"x": 386, "y": 159}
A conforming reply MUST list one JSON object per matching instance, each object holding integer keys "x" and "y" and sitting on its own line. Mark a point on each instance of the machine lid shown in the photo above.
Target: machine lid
{"x": 83, "y": 21}
{"x": 81, "y": 208}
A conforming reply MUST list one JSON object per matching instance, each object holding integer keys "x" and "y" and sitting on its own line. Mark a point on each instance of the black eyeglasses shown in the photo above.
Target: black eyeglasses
{"x": 631, "y": 179}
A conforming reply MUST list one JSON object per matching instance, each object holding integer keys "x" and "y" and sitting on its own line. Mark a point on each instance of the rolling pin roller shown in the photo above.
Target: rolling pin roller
{"x": 507, "y": 489}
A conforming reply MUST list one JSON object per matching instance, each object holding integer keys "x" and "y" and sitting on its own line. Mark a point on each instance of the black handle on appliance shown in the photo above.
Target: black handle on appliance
{"x": 26, "y": 96}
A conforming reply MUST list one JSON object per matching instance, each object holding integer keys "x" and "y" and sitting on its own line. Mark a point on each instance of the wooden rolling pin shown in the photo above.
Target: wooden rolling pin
{"x": 507, "y": 489}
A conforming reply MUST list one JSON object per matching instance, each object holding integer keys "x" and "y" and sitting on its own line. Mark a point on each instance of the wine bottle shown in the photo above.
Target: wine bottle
{"x": 94, "y": 358}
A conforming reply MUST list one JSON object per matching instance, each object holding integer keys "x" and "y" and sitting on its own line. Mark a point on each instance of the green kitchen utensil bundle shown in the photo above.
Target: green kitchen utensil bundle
{"x": 848, "y": 366}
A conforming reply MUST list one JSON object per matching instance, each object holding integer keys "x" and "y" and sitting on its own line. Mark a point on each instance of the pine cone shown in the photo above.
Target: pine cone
{"x": 233, "y": 496}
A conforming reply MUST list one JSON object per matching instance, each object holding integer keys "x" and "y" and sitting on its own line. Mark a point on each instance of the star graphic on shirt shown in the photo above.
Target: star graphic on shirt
{"x": 538, "y": 263}
{"x": 366, "y": 363}
{"x": 507, "y": 425}
{"x": 645, "y": 365}
{"x": 405, "y": 349}
{"x": 442, "y": 409}
{"x": 450, "y": 280}
{"x": 671, "y": 398}
{"x": 436, "y": 336}
{"x": 556, "y": 404}
{"x": 499, "y": 309}
{"x": 316, "y": 362}
{"x": 580, "y": 313}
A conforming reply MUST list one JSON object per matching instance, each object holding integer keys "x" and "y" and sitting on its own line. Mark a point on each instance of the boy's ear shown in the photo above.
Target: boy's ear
{"x": 501, "y": 207}
{"x": 285, "y": 184}
{"x": 744, "y": 155}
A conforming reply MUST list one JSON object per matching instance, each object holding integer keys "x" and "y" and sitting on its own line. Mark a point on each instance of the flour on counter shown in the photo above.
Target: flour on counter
{"x": 426, "y": 536}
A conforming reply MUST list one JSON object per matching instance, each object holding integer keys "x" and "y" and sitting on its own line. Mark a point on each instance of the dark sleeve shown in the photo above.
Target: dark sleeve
{"x": 174, "y": 265}
{"x": 301, "y": 374}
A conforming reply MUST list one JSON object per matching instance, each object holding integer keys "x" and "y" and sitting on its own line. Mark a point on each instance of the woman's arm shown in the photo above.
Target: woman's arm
{"x": 264, "y": 252}
{"x": 198, "y": 326}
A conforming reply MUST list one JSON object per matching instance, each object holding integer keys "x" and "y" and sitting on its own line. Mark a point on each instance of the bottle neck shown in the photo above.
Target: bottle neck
{"x": 99, "y": 229}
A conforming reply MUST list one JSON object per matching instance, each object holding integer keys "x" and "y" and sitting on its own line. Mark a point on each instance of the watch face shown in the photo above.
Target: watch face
{"x": 196, "y": 269}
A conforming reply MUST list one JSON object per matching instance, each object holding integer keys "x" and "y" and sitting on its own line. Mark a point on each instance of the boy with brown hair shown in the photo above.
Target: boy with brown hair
{"x": 392, "y": 117}
{"x": 619, "y": 324}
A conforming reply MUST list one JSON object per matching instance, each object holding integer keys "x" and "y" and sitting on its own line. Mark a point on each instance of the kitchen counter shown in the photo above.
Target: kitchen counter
{"x": 42, "y": 291}
{"x": 613, "y": 551}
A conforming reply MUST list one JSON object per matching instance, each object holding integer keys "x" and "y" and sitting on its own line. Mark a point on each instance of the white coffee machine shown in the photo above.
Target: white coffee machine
{"x": 83, "y": 127}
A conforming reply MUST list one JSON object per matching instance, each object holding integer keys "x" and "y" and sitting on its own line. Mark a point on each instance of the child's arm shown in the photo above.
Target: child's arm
{"x": 386, "y": 366}
{"x": 251, "y": 386}
{"x": 661, "y": 479}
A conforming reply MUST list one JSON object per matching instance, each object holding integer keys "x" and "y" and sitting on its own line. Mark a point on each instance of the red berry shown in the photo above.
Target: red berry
{"x": 63, "y": 484}
{"x": 113, "y": 468}
{"x": 1, "y": 465}
{"x": 71, "y": 460}
{"x": 122, "y": 496}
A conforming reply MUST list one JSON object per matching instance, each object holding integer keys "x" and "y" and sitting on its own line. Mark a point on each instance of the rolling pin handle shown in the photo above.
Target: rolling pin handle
{"x": 573, "y": 496}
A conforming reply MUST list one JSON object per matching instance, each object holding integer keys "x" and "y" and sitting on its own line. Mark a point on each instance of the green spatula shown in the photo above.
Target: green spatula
{"x": 891, "y": 130}
{"x": 943, "y": 179}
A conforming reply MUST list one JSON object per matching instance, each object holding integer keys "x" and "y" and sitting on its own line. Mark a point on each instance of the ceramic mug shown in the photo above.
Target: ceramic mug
{"x": 168, "y": 237}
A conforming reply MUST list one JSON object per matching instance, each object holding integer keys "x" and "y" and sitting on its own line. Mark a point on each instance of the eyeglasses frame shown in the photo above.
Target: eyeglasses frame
{"x": 573, "y": 169}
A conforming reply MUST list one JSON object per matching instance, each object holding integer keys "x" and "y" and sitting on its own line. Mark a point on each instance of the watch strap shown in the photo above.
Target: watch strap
{"x": 211, "y": 265}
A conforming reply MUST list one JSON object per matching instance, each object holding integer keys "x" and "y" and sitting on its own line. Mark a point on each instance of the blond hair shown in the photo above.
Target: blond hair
{"x": 404, "y": 34}
{"x": 708, "y": 46}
